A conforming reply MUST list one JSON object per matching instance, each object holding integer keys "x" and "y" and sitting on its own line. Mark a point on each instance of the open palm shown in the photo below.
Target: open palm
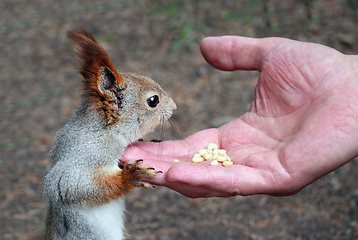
{"x": 301, "y": 125}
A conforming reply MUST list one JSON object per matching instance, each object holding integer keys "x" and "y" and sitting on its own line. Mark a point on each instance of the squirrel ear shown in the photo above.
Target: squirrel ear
{"x": 109, "y": 80}
{"x": 96, "y": 67}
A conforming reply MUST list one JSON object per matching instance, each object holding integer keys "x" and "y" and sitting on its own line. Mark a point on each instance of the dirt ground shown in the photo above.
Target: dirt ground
{"x": 40, "y": 89}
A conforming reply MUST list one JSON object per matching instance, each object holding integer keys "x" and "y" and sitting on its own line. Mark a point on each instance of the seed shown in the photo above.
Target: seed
{"x": 212, "y": 146}
{"x": 214, "y": 163}
{"x": 176, "y": 160}
{"x": 197, "y": 159}
{"x": 222, "y": 152}
{"x": 227, "y": 163}
{"x": 220, "y": 158}
{"x": 207, "y": 156}
{"x": 212, "y": 152}
{"x": 203, "y": 151}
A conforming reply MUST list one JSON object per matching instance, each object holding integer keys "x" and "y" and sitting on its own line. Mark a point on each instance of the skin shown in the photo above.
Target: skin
{"x": 301, "y": 125}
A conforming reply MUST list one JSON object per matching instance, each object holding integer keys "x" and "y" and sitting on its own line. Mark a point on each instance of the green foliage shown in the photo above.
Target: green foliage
{"x": 235, "y": 16}
{"x": 186, "y": 29}
{"x": 275, "y": 28}
{"x": 253, "y": 5}
{"x": 246, "y": 14}
{"x": 170, "y": 9}
{"x": 315, "y": 19}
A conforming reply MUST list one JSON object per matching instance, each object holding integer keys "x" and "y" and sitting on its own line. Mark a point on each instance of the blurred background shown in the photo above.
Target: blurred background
{"x": 40, "y": 89}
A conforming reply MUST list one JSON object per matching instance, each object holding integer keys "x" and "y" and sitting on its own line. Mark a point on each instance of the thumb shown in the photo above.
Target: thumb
{"x": 229, "y": 53}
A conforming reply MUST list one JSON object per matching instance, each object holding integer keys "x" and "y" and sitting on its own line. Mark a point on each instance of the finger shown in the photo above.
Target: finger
{"x": 155, "y": 151}
{"x": 169, "y": 150}
{"x": 203, "y": 180}
{"x": 231, "y": 53}
{"x": 233, "y": 180}
{"x": 193, "y": 191}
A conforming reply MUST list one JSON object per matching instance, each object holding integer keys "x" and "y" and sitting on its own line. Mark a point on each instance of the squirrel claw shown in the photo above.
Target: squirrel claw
{"x": 152, "y": 173}
{"x": 133, "y": 172}
{"x": 147, "y": 185}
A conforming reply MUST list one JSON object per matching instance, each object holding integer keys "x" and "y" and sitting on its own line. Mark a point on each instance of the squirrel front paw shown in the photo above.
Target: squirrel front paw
{"x": 132, "y": 172}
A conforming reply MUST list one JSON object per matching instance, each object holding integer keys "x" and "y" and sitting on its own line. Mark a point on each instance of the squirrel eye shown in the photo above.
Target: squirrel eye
{"x": 153, "y": 101}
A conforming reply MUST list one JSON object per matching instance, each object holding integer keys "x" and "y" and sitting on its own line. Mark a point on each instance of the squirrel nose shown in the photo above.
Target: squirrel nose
{"x": 172, "y": 104}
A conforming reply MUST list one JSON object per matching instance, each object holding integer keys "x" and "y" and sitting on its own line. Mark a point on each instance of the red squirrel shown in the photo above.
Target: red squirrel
{"x": 85, "y": 186}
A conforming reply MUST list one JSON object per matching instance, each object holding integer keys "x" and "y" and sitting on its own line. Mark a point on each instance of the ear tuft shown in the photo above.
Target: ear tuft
{"x": 102, "y": 83}
{"x": 93, "y": 58}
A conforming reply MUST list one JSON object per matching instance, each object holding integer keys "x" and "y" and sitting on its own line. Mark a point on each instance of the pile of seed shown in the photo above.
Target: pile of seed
{"x": 212, "y": 152}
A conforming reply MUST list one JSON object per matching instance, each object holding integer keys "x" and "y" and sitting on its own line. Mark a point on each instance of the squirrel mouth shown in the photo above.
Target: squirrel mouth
{"x": 149, "y": 140}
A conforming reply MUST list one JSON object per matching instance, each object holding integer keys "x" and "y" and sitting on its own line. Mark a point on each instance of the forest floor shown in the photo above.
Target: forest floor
{"x": 40, "y": 89}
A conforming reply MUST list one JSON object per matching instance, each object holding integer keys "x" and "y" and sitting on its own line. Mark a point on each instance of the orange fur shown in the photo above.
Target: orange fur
{"x": 119, "y": 183}
{"x": 94, "y": 63}
{"x": 113, "y": 185}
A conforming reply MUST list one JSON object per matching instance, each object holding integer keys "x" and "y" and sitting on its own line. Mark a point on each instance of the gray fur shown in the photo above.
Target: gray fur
{"x": 86, "y": 143}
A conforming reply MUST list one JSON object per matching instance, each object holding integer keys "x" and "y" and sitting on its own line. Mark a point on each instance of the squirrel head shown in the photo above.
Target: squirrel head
{"x": 136, "y": 102}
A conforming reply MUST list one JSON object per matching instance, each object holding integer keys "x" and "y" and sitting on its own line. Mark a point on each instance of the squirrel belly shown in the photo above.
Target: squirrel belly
{"x": 103, "y": 222}
{"x": 110, "y": 216}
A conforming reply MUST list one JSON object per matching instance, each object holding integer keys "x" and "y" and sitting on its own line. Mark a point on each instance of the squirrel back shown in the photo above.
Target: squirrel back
{"x": 86, "y": 185}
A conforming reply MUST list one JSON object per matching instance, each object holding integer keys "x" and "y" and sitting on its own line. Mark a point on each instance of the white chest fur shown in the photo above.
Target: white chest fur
{"x": 109, "y": 217}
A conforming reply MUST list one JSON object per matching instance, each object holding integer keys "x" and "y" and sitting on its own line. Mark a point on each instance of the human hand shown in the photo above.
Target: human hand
{"x": 301, "y": 125}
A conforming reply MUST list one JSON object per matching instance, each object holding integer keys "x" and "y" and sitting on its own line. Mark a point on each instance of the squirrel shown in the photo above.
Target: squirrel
{"x": 86, "y": 184}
